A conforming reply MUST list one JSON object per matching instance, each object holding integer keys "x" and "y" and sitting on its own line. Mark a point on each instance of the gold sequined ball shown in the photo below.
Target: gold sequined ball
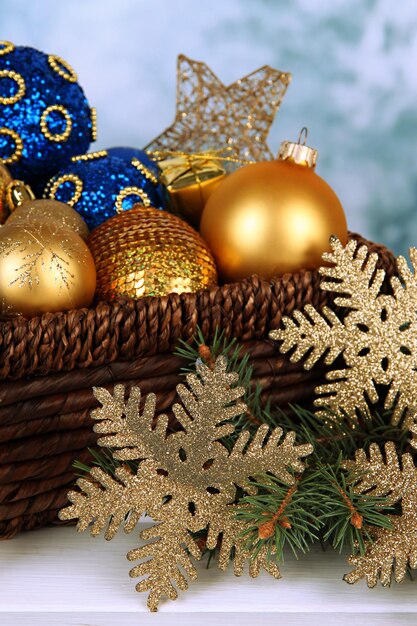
{"x": 148, "y": 252}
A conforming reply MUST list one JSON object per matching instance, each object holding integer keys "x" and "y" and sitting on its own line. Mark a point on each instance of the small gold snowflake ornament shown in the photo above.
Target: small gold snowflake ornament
{"x": 376, "y": 337}
{"x": 186, "y": 481}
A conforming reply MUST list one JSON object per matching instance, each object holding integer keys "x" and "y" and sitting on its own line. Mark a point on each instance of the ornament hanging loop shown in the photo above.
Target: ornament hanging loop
{"x": 302, "y": 137}
{"x": 298, "y": 153}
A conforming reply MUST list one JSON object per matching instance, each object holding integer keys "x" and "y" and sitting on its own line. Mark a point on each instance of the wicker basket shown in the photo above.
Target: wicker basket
{"x": 48, "y": 366}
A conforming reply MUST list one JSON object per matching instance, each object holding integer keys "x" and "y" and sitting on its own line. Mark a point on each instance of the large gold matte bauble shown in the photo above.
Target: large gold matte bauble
{"x": 52, "y": 211}
{"x": 43, "y": 267}
{"x": 146, "y": 251}
{"x": 270, "y": 218}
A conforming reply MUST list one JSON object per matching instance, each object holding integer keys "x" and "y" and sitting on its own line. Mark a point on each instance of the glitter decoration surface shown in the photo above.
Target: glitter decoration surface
{"x": 186, "y": 481}
{"x": 98, "y": 186}
{"x": 49, "y": 211}
{"x": 147, "y": 252}
{"x": 393, "y": 550}
{"x": 43, "y": 268}
{"x": 139, "y": 158}
{"x": 44, "y": 113}
{"x": 14, "y": 142}
{"x": 210, "y": 115}
{"x": 376, "y": 338}
{"x": 5, "y": 181}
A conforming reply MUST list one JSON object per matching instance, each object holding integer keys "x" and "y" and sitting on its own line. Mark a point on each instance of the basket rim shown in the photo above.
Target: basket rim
{"x": 124, "y": 328}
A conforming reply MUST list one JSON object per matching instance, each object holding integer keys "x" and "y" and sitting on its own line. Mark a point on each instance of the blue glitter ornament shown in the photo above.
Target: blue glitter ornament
{"x": 144, "y": 163}
{"x": 127, "y": 154}
{"x": 45, "y": 118}
{"x": 99, "y": 186}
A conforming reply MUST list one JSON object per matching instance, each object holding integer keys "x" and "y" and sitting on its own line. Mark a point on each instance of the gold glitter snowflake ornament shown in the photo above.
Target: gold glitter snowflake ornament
{"x": 186, "y": 481}
{"x": 395, "y": 548}
{"x": 210, "y": 115}
{"x": 377, "y": 338}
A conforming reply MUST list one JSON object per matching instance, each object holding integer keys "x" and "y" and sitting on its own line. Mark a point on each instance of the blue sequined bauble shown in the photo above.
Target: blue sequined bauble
{"x": 127, "y": 154}
{"x": 99, "y": 186}
{"x": 149, "y": 166}
{"x": 45, "y": 118}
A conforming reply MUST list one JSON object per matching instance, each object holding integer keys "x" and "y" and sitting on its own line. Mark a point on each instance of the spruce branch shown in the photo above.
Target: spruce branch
{"x": 324, "y": 502}
{"x": 344, "y": 514}
{"x": 278, "y": 515}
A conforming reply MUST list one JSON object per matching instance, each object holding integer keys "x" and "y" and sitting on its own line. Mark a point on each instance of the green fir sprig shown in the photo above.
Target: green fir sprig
{"x": 322, "y": 504}
{"x": 343, "y": 514}
{"x": 278, "y": 515}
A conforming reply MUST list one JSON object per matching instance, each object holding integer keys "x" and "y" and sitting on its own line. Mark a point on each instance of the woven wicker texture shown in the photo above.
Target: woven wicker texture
{"x": 48, "y": 366}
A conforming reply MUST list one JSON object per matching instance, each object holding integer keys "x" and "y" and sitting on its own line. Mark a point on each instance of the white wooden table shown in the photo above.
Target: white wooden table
{"x": 57, "y": 577}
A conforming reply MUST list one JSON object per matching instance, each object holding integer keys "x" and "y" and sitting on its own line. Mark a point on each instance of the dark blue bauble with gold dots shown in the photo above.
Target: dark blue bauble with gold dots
{"x": 45, "y": 118}
{"x": 127, "y": 153}
{"x": 99, "y": 186}
{"x": 143, "y": 162}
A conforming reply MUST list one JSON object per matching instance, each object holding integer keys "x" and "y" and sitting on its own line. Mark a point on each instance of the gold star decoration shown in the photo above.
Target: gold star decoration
{"x": 211, "y": 116}
{"x": 376, "y": 337}
{"x": 186, "y": 481}
{"x": 395, "y": 548}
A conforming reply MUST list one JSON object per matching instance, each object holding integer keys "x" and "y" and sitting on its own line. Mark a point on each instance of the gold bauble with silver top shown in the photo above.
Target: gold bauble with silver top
{"x": 272, "y": 217}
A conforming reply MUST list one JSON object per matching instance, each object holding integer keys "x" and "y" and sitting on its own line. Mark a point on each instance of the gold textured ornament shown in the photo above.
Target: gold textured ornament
{"x": 376, "y": 338}
{"x": 211, "y": 115}
{"x": 146, "y": 251}
{"x": 5, "y": 180}
{"x": 392, "y": 550}
{"x": 272, "y": 217}
{"x": 43, "y": 268}
{"x": 50, "y": 211}
{"x": 18, "y": 203}
{"x": 25, "y": 208}
{"x": 185, "y": 481}
{"x": 189, "y": 181}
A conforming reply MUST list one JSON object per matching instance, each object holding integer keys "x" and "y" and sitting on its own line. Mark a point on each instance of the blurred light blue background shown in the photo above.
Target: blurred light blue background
{"x": 354, "y": 65}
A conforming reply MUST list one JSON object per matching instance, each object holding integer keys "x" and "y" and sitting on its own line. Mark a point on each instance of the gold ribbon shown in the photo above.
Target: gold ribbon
{"x": 190, "y": 177}
{"x": 195, "y": 159}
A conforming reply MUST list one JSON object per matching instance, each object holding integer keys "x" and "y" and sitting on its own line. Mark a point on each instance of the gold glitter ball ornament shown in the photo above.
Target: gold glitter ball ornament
{"x": 50, "y": 211}
{"x": 43, "y": 268}
{"x": 146, "y": 251}
{"x": 272, "y": 217}
{"x": 18, "y": 204}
